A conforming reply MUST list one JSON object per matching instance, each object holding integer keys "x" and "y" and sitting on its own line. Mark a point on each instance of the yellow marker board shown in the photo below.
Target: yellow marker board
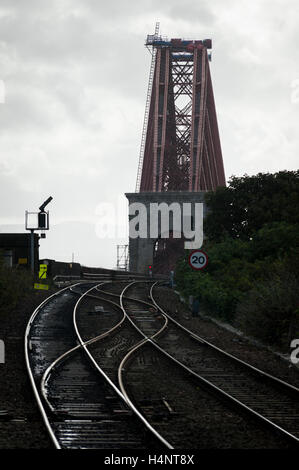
{"x": 41, "y": 286}
{"x": 22, "y": 261}
{"x": 42, "y": 271}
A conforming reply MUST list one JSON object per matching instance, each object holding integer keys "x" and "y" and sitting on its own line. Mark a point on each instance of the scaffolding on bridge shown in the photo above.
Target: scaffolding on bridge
{"x": 122, "y": 263}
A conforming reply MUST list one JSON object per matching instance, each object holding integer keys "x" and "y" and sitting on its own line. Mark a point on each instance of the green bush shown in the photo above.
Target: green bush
{"x": 270, "y": 310}
{"x": 252, "y": 243}
{"x": 14, "y": 284}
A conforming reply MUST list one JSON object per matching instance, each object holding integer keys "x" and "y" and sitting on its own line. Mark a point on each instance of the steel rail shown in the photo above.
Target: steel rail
{"x": 278, "y": 381}
{"x": 275, "y": 380}
{"x": 132, "y": 350}
{"x": 117, "y": 390}
{"x": 27, "y": 347}
{"x": 221, "y": 351}
{"x": 80, "y": 345}
{"x": 210, "y": 385}
{"x": 83, "y": 344}
{"x": 65, "y": 355}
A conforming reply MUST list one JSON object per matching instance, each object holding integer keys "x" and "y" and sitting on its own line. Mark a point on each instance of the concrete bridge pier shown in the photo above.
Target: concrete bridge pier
{"x": 143, "y": 251}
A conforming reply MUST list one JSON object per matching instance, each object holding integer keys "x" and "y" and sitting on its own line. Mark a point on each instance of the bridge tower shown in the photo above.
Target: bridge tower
{"x": 180, "y": 154}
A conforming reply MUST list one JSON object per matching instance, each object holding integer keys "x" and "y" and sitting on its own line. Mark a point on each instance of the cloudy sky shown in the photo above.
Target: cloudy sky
{"x": 73, "y": 85}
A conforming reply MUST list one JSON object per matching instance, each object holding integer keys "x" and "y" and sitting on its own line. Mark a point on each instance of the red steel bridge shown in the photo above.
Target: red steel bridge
{"x": 180, "y": 147}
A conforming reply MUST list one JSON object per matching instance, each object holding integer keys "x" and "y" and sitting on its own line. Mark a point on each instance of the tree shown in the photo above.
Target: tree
{"x": 252, "y": 241}
{"x": 249, "y": 202}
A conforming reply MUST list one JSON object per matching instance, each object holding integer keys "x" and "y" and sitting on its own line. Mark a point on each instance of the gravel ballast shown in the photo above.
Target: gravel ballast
{"x": 21, "y": 424}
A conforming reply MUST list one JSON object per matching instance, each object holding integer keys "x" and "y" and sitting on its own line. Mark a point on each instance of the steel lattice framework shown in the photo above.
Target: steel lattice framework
{"x": 180, "y": 144}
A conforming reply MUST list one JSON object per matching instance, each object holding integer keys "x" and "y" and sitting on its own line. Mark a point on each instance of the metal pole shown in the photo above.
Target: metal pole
{"x": 32, "y": 250}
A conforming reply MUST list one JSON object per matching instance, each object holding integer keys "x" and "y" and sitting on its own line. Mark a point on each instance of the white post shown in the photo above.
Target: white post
{"x": 32, "y": 250}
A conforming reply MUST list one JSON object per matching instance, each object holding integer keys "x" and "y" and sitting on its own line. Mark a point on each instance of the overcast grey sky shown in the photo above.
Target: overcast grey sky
{"x": 75, "y": 78}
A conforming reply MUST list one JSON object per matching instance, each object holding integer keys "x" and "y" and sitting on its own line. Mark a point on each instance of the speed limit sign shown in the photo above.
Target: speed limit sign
{"x": 198, "y": 259}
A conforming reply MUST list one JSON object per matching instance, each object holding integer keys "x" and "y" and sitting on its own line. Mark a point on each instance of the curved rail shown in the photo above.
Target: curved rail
{"x": 144, "y": 341}
{"x": 212, "y": 386}
{"x": 27, "y": 346}
{"x": 121, "y": 391}
{"x": 124, "y": 396}
{"x": 82, "y": 345}
{"x": 65, "y": 355}
{"x": 215, "y": 348}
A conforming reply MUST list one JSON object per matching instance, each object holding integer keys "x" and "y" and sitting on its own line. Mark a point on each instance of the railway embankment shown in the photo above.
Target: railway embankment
{"x": 21, "y": 425}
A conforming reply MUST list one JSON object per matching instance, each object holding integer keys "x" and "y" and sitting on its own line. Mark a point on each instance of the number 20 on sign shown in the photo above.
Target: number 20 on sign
{"x": 198, "y": 259}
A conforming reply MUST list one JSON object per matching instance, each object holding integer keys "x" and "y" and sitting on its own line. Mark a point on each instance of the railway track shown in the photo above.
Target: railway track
{"x": 268, "y": 399}
{"x": 96, "y": 376}
{"x": 80, "y": 405}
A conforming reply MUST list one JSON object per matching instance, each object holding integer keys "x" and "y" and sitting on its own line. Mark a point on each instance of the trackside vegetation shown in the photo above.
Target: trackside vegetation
{"x": 252, "y": 242}
{"x": 15, "y": 283}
